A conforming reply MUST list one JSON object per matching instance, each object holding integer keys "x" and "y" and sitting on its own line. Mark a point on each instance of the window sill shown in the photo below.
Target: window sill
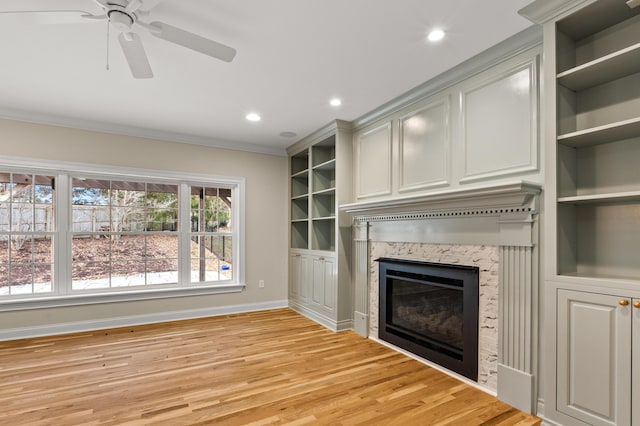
{"x": 128, "y": 296}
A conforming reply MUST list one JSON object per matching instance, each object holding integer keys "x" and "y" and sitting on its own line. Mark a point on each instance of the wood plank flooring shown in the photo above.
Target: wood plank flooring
{"x": 264, "y": 368}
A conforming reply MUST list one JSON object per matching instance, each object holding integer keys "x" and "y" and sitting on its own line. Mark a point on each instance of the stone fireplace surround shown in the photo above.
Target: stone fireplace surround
{"x": 492, "y": 227}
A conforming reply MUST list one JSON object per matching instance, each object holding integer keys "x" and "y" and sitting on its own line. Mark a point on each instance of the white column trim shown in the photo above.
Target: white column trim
{"x": 361, "y": 278}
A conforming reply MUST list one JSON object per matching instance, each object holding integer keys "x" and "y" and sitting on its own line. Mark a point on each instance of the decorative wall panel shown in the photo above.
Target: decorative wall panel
{"x": 499, "y": 125}
{"x": 373, "y": 162}
{"x": 425, "y": 148}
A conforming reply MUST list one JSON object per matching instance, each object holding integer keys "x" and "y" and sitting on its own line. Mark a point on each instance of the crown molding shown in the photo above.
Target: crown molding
{"x": 507, "y": 49}
{"x": 541, "y": 11}
{"x": 139, "y": 132}
{"x": 319, "y": 135}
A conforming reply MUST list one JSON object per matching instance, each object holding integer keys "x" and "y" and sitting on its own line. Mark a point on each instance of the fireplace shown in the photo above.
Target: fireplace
{"x": 431, "y": 310}
{"x": 493, "y": 227}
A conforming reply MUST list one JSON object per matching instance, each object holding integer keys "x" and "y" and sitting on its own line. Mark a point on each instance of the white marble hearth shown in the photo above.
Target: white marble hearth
{"x": 494, "y": 228}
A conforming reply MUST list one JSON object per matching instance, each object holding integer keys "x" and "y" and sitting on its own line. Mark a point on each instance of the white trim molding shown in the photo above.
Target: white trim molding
{"x": 501, "y": 52}
{"x": 361, "y": 278}
{"x": 131, "y": 320}
{"x": 64, "y": 295}
{"x": 329, "y": 323}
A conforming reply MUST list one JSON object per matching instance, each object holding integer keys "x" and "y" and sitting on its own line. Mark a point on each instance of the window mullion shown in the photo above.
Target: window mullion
{"x": 62, "y": 248}
{"x": 184, "y": 230}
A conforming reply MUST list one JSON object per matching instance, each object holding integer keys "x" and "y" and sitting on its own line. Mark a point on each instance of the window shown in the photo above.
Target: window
{"x": 26, "y": 233}
{"x": 211, "y": 225}
{"x": 124, "y": 233}
{"x": 77, "y": 233}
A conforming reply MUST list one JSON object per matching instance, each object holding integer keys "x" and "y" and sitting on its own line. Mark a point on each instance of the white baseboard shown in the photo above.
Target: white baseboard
{"x": 540, "y": 413}
{"x": 125, "y": 321}
{"x": 361, "y": 323}
{"x": 516, "y": 388}
{"x": 321, "y": 319}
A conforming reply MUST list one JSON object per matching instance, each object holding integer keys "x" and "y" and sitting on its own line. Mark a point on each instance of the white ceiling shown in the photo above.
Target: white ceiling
{"x": 293, "y": 57}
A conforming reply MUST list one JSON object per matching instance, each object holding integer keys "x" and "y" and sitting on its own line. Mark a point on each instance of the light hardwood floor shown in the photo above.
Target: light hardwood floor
{"x": 262, "y": 368}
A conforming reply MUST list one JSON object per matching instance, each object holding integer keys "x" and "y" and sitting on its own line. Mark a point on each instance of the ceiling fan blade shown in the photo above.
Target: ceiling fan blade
{"x": 136, "y": 56}
{"x": 94, "y": 18}
{"x": 48, "y": 6}
{"x": 191, "y": 41}
{"x": 133, "y": 6}
{"x": 46, "y": 16}
{"x": 101, "y": 3}
{"x": 147, "y": 5}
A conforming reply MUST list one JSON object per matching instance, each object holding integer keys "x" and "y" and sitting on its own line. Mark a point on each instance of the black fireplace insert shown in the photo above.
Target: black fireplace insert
{"x": 431, "y": 310}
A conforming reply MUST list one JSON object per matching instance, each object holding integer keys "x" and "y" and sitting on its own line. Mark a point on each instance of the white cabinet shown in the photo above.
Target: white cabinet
{"x": 320, "y": 236}
{"x": 324, "y": 284}
{"x": 298, "y": 273}
{"x": 592, "y": 210}
{"x": 594, "y": 357}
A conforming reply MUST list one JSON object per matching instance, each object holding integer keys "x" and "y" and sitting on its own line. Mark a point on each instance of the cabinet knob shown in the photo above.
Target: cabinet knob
{"x": 636, "y": 304}
{"x": 623, "y": 302}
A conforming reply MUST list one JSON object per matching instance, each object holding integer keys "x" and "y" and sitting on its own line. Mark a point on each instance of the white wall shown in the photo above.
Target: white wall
{"x": 266, "y": 214}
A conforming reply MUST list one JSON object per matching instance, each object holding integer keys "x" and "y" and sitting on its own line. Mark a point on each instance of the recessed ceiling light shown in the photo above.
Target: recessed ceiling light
{"x": 335, "y": 102}
{"x": 253, "y": 117}
{"x": 436, "y": 35}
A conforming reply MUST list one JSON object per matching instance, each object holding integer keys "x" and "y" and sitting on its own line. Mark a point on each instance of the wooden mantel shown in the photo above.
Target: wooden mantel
{"x": 518, "y": 194}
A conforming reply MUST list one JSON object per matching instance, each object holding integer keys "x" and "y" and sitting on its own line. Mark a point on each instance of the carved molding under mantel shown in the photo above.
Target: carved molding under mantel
{"x": 493, "y": 199}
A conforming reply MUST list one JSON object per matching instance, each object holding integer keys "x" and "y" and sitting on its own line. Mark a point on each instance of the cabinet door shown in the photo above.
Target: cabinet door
{"x": 324, "y": 283}
{"x": 303, "y": 281}
{"x": 330, "y": 282}
{"x": 594, "y": 358}
{"x": 298, "y": 280}
{"x": 294, "y": 275}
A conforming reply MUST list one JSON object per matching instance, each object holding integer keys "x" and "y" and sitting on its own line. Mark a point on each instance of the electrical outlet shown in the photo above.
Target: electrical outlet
{"x": 261, "y": 283}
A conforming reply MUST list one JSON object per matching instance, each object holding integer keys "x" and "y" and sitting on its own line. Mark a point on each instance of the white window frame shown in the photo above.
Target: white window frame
{"x": 63, "y": 295}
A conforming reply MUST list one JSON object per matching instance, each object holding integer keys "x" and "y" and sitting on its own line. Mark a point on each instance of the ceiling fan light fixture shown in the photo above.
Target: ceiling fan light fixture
{"x": 121, "y": 21}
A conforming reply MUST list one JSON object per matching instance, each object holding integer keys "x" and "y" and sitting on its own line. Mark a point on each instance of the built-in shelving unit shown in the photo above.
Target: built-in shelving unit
{"x": 313, "y": 190}
{"x": 319, "y": 277}
{"x": 610, "y": 67}
{"x": 300, "y": 200}
{"x": 598, "y": 142}
{"x": 323, "y": 196}
{"x": 592, "y": 211}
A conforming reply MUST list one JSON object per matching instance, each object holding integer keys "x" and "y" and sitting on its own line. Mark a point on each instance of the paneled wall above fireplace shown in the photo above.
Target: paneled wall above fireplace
{"x": 464, "y": 133}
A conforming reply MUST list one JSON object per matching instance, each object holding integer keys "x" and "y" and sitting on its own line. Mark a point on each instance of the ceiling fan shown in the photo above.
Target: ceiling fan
{"x": 125, "y": 16}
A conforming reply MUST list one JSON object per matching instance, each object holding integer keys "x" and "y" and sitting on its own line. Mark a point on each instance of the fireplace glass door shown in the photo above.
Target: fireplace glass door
{"x": 431, "y": 310}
